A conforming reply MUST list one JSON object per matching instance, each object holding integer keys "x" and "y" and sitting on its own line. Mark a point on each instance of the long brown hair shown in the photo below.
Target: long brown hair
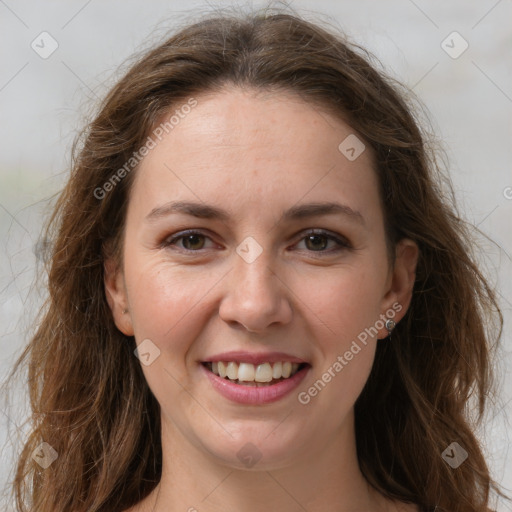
{"x": 89, "y": 398}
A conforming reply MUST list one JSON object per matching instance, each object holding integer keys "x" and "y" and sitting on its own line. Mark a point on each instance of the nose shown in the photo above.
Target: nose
{"x": 256, "y": 297}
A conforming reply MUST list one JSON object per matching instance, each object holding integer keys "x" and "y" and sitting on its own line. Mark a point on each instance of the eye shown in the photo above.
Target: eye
{"x": 316, "y": 240}
{"x": 192, "y": 241}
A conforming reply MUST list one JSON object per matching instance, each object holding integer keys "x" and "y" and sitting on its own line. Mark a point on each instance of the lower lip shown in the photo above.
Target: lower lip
{"x": 255, "y": 395}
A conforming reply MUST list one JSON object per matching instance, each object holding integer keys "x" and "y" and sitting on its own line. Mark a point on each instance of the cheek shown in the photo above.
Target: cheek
{"x": 344, "y": 305}
{"x": 169, "y": 308}
{"x": 345, "y": 300}
{"x": 167, "y": 302}
{"x": 170, "y": 305}
{"x": 345, "y": 347}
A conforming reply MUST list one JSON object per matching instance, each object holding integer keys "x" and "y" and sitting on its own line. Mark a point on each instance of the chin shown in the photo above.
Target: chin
{"x": 256, "y": 448}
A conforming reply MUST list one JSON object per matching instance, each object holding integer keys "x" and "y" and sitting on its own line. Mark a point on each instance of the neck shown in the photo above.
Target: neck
{"x": 324, "y": 478}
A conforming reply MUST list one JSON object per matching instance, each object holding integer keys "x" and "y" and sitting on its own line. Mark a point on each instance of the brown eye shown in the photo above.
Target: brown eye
{"x": 191, "y": 241}
{"x": 317, "y": 241}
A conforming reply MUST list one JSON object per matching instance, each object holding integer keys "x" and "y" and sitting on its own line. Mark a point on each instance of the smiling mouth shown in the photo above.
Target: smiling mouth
{"x": 247, "y": 374}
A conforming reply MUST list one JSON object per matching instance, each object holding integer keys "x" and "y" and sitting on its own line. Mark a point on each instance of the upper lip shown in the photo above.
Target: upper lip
{"x": 254, "y": 357}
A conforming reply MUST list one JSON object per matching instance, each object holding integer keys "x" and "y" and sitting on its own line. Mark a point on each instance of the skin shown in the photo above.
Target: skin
{"x": 256, "y": 155}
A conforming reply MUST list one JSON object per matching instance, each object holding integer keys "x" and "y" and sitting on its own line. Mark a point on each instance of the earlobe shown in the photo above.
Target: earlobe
{"x": 115, "y": 291}
{"x": 399, "y": 294}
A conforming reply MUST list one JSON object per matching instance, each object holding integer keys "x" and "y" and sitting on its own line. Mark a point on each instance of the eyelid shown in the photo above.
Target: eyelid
{"x": 331, "y": 235}
{"x": 170, "y": 240}
{"x": 342, "y": 242}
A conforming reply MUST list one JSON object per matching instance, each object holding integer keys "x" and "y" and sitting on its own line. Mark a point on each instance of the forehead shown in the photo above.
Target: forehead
{"x": 262, "y": 147}
{"x": 258, "y": 121}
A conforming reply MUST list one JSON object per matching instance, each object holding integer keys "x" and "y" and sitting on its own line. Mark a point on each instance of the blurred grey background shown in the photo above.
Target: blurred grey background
{"x": 60, "y": 58}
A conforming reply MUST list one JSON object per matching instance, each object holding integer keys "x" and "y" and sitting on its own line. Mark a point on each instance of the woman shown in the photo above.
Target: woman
{"x": 260, "y": 298}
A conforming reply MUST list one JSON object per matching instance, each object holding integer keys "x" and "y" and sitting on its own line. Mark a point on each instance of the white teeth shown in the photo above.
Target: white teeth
{"x": 232, "y": 371}
{"x": 263, "y": 373}
{"x": 277, "y": 370}
{"x": 246, "y": 372}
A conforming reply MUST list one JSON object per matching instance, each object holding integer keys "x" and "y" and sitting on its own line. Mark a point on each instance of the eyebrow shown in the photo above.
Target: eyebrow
{"x": 205, "y": 211}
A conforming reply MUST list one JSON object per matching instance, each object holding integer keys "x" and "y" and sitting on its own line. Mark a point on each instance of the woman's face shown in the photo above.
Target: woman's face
{"x": 255, "y": 280}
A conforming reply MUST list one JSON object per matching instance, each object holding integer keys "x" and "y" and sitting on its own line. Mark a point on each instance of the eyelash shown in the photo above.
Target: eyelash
{"x": 343, "y": 244}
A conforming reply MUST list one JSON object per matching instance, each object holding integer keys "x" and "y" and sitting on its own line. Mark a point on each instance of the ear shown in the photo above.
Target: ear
{"x": 115, "y": 290}
{"x": 400, "y": 284}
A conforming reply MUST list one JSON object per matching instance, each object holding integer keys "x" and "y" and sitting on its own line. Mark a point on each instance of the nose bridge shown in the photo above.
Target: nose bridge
{"x": 255, "y": 296}
{"x": 255, "y": 273}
